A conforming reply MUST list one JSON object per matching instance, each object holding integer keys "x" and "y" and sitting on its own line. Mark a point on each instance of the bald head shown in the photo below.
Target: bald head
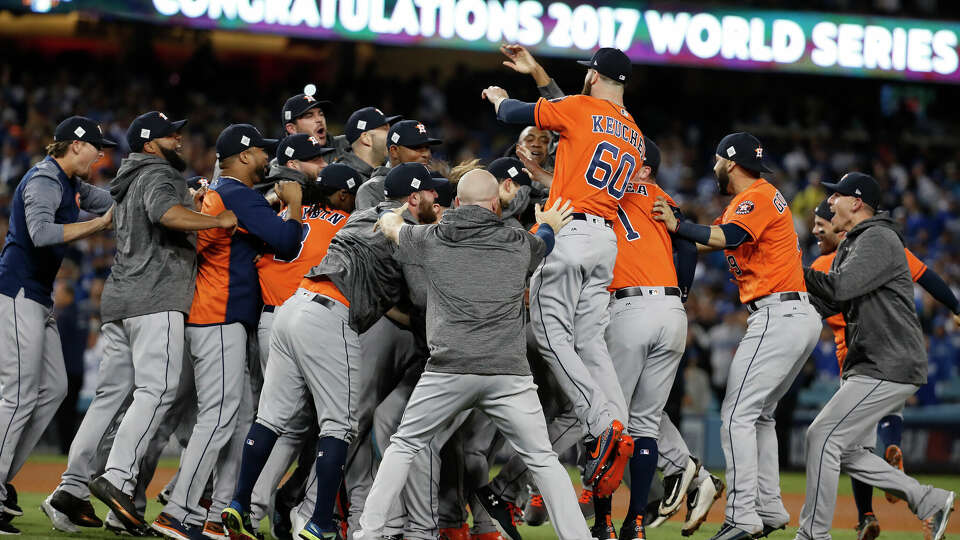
{"x": 478, "y": 187}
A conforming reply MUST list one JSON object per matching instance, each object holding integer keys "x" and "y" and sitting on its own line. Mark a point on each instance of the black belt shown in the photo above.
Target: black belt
{"x": 784, "y": 297}
{"x": 269, "y": 309}
{"x": 627, "y": 292}
{"x": 324, "y": 301}
{"x": 583, "y": 217}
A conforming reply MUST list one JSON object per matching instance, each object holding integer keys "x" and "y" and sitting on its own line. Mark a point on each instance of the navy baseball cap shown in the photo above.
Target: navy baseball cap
{"x": 408, "y": 178}
{"x": 340, "y": 176}
{"x": 295, "y": 106}
{"x": 610, "y": 62}
{"x": 301, "y": 147}
{"x": 651, "y": 155}
{"x": 446, "y": 191}
{"x": 509, "y": 167}
{"x": 81, "y": 128}
{"x": 149, "y": 126}
{"x": 410, "y": 133}
{"x": 743, "y": 149}
{"x": 823, "y": 210}
{"x": 238, "y": 137}
{"x": 857, "y": 184}
{"x": 366, "y": 119}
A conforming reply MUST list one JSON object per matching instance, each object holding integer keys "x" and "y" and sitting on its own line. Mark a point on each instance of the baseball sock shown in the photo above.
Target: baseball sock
{"x": 863, "y": 497}
{"x": 643, "y": 465}
{"x": 259, "y": 443}
{"x": 889, "y": 430}
{"x": 331, "y": 456}
{"x": 602, "y": 508}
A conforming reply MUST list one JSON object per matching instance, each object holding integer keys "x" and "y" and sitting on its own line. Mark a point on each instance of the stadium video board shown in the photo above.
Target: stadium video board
{"x": 650, "y": 33}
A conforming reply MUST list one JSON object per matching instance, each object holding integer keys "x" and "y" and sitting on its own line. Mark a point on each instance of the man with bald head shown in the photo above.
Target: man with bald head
{"x": 468, "y": 306}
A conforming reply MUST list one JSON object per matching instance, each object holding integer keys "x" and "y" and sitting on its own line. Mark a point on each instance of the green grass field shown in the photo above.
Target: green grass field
{"x": 34, "y": 523}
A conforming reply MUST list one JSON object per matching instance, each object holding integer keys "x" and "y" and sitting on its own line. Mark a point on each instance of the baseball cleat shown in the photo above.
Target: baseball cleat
{"x": 599, "y": 451}
{"x": 868, "y": 528}
{"x": 633, "y": 530}
{"x": 172, "y": 527}
{"x": 770, "y": 529}
{"x": 894, "y": 457}
{"x": 937, "y": 523}
{"x": 114, "y": 525}
{"x": 586, "y": 503}
{"x": 68, "y": 512}
{"x": 612, "y": 474}
{"x": 506, "y": 515}
{"x": 534, "y": 512}
{"x": 118, "y": 501}
{"x": 10, "y": 506}
{"x": 455, "y": 533}
{"x": 699, "y": 503}
{"x": 604, "y": 530}
{"x": 215, "y": 531}
{"x": 675, "y": 487}
{"x": 280, "y": 524}
{"x": 7, "y": 528}
{"x": 312, "y": 531}
{"x": 236, "y": 522}
{"x": 729, "y": 532}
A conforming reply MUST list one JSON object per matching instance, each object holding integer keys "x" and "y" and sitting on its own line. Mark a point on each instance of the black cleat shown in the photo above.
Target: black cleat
{"x": 118, "y": 501}
{"x": 505, "y": 514}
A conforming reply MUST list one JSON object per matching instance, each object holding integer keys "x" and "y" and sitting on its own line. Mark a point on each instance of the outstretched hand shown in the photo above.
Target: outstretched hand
{"x": 520, "y": 59}
{"x": 557, "y": 216}
{"x": 494, "y": 94}
{"x": 662, "y": 212}
{"x": 532, "y": 168}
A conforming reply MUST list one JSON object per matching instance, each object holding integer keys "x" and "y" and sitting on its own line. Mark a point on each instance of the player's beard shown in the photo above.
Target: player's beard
{"x": 174, "y": 158}
{"x": 262, "y": 174}
{"x": 723, "y": 181}
{"x": 425, "y": 212}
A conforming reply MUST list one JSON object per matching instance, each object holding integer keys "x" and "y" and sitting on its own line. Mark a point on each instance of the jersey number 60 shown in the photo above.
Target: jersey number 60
{"x": 615, "y": 181}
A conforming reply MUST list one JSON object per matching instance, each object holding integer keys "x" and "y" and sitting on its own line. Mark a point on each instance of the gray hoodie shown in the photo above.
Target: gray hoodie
{"x": 155, "y": 268}
{"x": 475, "y": 311}
{"x": 371, "y": 192}
{"x": 869, "y": 282}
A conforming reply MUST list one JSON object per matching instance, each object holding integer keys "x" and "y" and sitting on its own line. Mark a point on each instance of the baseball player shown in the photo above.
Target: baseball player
{"x": 366, "y": 131}
{"x": 355, "y": 284}
{"x": 828, "y": 238}
{"x": 461, "y": 373}
{"x": 757, "y": 235}
{"x": 600, "y": 148}
{"x": 304, "y": 113}
{"x": 870, "y": 283}
{"x": 145, "y": 301}
{"x": 226, "y": 303}
{"x": 516, "y": 191}
{"x": 44, "y": 217}
{"x": 408, "y": 141}
{"x": 647, "y": 331}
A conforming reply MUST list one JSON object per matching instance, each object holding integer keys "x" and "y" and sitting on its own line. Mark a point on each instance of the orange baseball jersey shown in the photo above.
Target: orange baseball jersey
{"x": 279, "y": 278}
{"x": 599, "y": 151}
{"x": 836, "y": 321}
{"x": 770, "y": 261}
{"x": 644, "y": 247}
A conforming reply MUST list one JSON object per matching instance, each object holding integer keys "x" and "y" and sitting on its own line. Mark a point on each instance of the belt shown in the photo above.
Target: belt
{"x": 590, "y": 218}
{"x": 324, "y": 301}
{"x": 269, "y": 309}
{"x": 627, "y": 292}
{"x": 754, "y": 305}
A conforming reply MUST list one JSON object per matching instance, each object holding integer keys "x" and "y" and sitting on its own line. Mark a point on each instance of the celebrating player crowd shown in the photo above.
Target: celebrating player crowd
{"x": 343, "y": 304}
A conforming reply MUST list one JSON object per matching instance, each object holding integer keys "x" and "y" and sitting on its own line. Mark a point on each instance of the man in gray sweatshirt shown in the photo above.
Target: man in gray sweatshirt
{"x": 145, "y": 301}
{"x": 870, "y": 283}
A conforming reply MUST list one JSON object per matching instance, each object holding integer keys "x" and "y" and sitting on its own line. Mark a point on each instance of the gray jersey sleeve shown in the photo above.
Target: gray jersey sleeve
{"x": 41, "y": 196}
{"x": 538, "y": 250}
{"x": 94, "y": 199}
{"x": 370, "y": 193}
{"x": 871, "y": 263}
{"x": 411, "y": 240}
{"x": 159, "y": 196}
{"x": 551, "y": 90}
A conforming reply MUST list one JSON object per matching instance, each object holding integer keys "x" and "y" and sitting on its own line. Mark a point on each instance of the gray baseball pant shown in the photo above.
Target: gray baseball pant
{"x": 512, "y": 404}
{"x": 33, "y": 380}
{"x": 779, "y": 339}
{"x": 218, "y": 354}
{"x": 568, "y": 311}
{"x": 835, "y": 443}
{"x": 228, "y": 461}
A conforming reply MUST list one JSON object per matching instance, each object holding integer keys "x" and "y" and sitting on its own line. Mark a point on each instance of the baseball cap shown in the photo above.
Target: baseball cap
{"x": 301, "y": 147}
{"x": 238, "y": 137}
{"x": 366, "y": 119}
{"x": 446, "y": 192}
{"x": 149, "y": 126}
{"x": 508, "y": 167}
{"x": 81, "y": 128}
{"x": 410, "y": 133}
{"x": 823, "y": 210}
{"x": 340, "y": 176}
{"x": 651, "y": 155}
{"x": 299, "y": 104}
{"x": 743, "y": 149}
{"x": 860, "y": 185}
{"x": 611, "y": 63}
{"x": 408, "y": 178}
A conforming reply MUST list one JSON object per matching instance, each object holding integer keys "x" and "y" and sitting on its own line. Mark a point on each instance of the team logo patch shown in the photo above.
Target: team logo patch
{"x": 79, "y": 131}
{"x": 313, "y": 140}
{"x": 745, "y": 208}
{"x": 144, "y": 133}
{"x": 245, "y": 140}
{"x": 288, "y": 151}
{"x": 351, "y": 182}
{"x": 759, "y": 151}
{"x": 415, "y": 183}
{"x": 421, "y": 128}
{"x": 731, "y": 151}
{"x": 162, "y": 116}
{"x": 395, "y": 137}
{"x": 286, "y": 115}
{"x": 361, "y": 124}
{"x": 512, "y": 171}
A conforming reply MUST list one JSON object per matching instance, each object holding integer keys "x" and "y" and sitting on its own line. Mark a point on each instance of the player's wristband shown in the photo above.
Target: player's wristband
{"x": 694, "y": 232}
